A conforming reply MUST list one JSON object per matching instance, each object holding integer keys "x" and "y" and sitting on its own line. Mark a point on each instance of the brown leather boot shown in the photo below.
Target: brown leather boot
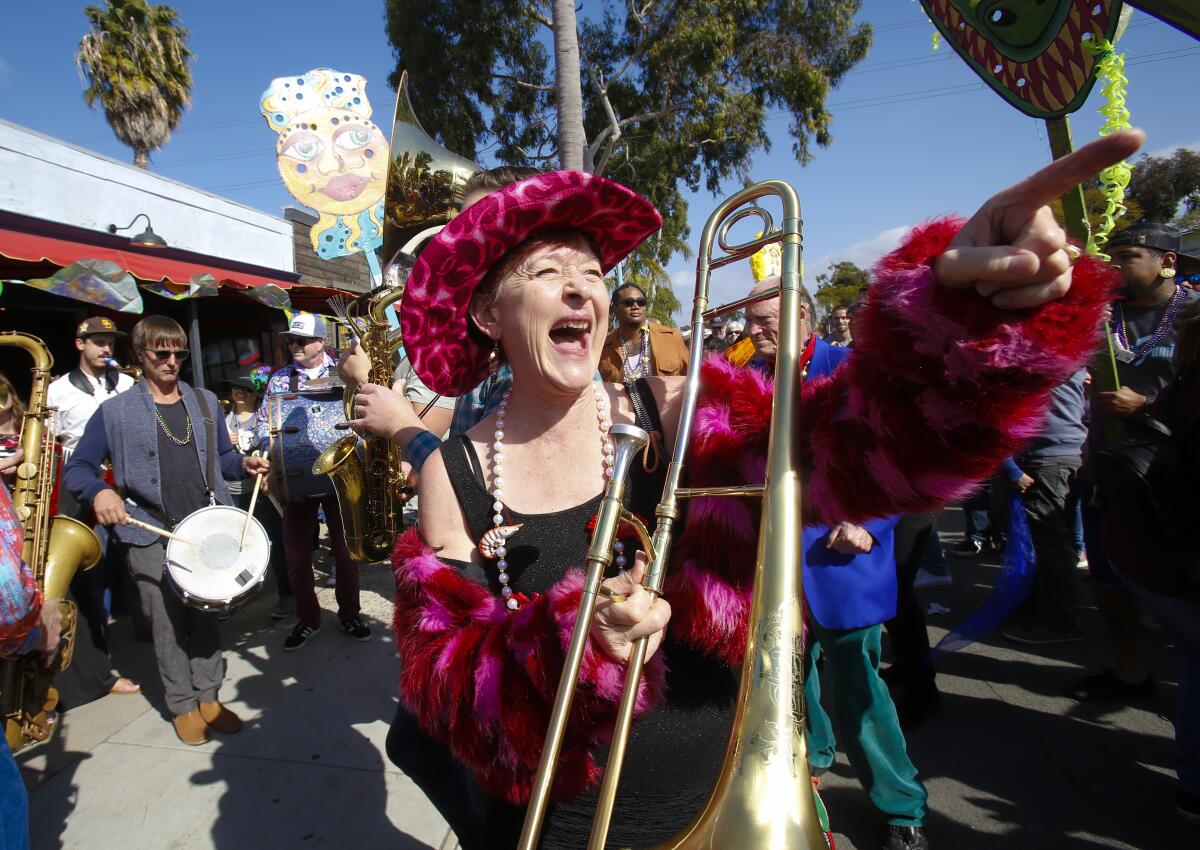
{"x": 220, "y": 718}
{"x": 191, "y": 728}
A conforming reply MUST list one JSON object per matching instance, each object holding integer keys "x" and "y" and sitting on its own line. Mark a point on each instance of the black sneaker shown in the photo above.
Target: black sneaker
{"x": 906, "y": 838}
{"x": 1187, "y": 803}
{"x": 1038, "y": 635}
{"x": 968, "y": 547}
{"x": 356, "y": 629}
{"x": 1107, "y": 686}
{"x": 299, "y": 636}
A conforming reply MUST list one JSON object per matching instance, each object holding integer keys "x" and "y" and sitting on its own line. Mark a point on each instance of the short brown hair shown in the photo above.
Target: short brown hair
{"x": 158, "y": 331}
{"x": 490, "y": 179}
{"x": 18, "y": 404}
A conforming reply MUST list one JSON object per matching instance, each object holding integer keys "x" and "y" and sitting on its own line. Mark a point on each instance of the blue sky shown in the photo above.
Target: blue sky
{"x": 915, "y": 132}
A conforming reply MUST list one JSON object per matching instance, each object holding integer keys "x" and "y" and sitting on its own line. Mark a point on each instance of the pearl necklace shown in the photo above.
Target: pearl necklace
{"x": 501, "y": 552}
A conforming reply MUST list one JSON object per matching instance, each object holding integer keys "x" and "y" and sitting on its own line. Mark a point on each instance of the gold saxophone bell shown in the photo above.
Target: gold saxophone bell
{"x": 763, "y": 797}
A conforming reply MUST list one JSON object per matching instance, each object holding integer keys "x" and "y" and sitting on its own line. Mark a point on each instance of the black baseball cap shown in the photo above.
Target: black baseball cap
{"x": 1162, "y": 237}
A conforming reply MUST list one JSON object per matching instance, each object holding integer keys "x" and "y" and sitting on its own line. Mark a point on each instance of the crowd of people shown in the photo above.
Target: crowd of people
{"x": 522, "y": 354}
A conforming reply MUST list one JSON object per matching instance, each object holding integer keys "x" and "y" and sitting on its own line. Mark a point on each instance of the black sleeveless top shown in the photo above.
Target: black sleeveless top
{"x": 676, "y": 749}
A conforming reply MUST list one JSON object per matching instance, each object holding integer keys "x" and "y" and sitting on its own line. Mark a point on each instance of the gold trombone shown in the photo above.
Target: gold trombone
{"x": 763, "y": 797}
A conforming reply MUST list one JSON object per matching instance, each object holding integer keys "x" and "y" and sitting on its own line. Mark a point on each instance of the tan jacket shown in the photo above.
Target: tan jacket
{"x": 668, "y": 353}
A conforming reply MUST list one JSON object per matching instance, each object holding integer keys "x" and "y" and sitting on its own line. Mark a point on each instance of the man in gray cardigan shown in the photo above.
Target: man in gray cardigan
{"x": 157, "y": 437}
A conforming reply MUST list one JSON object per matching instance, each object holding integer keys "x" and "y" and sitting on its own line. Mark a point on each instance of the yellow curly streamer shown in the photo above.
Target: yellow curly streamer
{"x": 1115, "y": 179}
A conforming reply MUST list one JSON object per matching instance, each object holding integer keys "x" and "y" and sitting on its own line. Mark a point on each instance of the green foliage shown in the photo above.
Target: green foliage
{"x": 134, "y": 63}
{"x": 656, "y": 283}
{"x": 1161, "y": 183}
{"x": 1094, "y": 203}
{"x": 838, "y": 286}
{"x": 676, "y": 92}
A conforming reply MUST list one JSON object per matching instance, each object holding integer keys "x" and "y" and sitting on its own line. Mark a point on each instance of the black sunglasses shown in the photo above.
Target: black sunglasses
{"x": 181, "y": 354}
{"x": 633, "y": 302}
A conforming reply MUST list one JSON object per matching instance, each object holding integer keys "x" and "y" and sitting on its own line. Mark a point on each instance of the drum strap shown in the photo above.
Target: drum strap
{"x": 211, "y": 442}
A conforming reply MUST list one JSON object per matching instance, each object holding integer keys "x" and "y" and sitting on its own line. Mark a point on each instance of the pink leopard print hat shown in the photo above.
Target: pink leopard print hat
{"x": 434, "y": 313}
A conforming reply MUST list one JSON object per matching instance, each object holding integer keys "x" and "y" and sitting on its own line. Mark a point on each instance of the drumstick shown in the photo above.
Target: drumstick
{"x": 250, "y": 512}
{"x": 158, "y": 530}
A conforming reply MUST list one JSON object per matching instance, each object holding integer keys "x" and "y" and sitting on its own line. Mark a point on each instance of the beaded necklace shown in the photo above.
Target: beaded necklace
{"x": 641, "y": 371}
{"x": 1165, "y": 325}
{"x": 187, "y": 437}
{"x": 493, "y": 544}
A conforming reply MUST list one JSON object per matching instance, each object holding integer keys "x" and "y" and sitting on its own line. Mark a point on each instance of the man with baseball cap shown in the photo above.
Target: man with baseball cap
{"x": 1149, "y": 258}
{"x": 306, "y": 340}
{"x": 78, "y": 393}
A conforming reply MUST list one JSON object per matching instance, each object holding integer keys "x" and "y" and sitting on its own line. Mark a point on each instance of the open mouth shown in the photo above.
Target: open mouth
{"x": 572, "y": 336}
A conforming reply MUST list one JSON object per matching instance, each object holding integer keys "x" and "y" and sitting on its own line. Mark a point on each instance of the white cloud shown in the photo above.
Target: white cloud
{"x": 863, "y": 254}
{"x": 734, "y": 281}
{"x": 1167, "y": 151}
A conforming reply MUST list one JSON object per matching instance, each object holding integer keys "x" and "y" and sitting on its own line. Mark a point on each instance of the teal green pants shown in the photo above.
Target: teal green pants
{"x": 866, "y": 719}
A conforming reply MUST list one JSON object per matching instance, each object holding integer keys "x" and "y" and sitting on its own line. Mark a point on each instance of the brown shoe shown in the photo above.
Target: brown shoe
{"x": 191, "y": 728}
{"x": 220, "y": 718}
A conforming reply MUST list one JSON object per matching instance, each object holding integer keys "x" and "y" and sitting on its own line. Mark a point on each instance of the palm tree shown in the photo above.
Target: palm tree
{"x": 134, "y": 62}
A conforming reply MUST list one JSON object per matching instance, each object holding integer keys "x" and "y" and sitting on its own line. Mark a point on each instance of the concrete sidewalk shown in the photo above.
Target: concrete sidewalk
{"x": 1009, "y": 763}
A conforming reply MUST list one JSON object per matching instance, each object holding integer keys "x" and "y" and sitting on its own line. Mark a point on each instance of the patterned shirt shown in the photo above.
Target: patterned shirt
{"x": 20, "y": 599}
{"x": 281, "y": 382}
{"x": 469, "y": 411}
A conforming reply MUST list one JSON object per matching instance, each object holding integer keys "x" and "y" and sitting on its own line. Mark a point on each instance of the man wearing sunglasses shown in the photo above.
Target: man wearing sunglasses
{"x": 310, "y": 362}
{"x": 639, "y": 347}
{"x": 170, "y": 453}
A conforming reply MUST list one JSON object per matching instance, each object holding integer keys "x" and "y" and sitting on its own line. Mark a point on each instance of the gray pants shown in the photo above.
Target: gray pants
{"x": 187, "y": 641}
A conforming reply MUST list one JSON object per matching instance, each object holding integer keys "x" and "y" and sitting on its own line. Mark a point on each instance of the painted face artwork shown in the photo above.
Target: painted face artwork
{"x": 331, "y": 157}
{"x": 1033, "y": 53}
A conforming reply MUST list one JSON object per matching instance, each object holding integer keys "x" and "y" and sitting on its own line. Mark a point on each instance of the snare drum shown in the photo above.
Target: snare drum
{"x": 302, "y": 426}
{"x": 204, "y": 562}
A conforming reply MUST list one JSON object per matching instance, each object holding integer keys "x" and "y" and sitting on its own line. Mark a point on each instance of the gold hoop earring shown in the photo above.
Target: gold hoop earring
{"x": 494, "y": 359}
{"x": 1168, "y": 273}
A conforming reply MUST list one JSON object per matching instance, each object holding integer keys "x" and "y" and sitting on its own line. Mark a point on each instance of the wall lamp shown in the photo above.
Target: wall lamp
{"x": 146, "y": 239}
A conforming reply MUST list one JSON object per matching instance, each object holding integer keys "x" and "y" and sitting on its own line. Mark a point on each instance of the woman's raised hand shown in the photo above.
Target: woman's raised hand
{"x": 618, "y": 624}
{"x": 1012, "y": 251}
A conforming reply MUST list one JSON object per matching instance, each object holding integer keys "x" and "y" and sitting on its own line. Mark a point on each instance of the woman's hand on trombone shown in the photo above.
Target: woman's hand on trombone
{"x": 1012, "y": 251}
{"x": 620, "y": 622}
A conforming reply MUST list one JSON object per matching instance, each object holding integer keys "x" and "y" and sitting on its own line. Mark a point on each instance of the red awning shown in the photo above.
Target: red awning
{"x": 163, "y": 264}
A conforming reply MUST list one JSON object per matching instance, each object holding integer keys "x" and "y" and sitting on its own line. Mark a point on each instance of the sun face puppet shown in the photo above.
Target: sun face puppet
{"x": 1033, "y": 53}
{"x": 331, "y": 157}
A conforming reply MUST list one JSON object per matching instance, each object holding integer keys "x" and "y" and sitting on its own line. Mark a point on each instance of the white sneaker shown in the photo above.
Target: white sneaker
{"x": 927, "y": 579}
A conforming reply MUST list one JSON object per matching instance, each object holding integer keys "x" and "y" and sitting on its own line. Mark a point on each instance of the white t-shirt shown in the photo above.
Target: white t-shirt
{"x": 76, "y": 407}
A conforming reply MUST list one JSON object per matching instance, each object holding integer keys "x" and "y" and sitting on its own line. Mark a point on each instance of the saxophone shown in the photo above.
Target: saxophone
{"x": 371, "y": 489}
{"x": 54, "y": 548}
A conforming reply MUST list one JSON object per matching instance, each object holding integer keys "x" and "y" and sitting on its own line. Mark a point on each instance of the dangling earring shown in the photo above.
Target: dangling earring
{"x": 1168, "y": 273}
{"x": 494, "y": 359}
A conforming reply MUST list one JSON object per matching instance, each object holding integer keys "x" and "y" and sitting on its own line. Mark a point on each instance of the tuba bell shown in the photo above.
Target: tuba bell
{"x": 424, "y": 183}
{"x": 424, "y": 191}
